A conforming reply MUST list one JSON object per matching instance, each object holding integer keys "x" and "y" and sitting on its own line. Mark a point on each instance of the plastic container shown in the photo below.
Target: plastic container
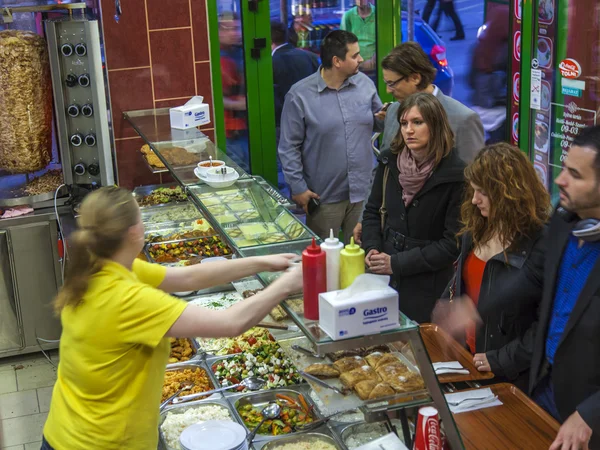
{"x": 314, "y": 270}
{"x": 332, "y": 248}
{"x": 352, "y": 263}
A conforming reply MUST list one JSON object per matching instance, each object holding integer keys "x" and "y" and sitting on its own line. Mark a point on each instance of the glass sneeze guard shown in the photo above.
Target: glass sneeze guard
{"x": 179, "y": 150}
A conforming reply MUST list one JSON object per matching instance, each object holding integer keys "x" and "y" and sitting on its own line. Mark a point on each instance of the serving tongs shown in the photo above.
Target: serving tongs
{"x": 186, "y": 387}
{"x": 343, "y": 391}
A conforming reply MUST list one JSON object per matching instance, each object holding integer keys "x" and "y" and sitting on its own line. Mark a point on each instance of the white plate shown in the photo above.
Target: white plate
{"x": 218, "y": 184}
{"x": 213, "y": 435}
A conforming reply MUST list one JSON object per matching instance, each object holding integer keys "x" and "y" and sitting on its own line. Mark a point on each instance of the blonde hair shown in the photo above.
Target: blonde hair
{"x": 106, "y": 216}
{"x": 441, "y": 136}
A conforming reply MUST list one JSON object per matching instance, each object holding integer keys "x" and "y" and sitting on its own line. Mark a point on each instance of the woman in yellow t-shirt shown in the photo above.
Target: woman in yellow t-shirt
{"x": 116, "y": 317}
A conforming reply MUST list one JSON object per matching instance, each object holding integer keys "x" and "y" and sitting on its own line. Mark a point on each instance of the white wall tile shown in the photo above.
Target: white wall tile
{"x": 33, "y": 446}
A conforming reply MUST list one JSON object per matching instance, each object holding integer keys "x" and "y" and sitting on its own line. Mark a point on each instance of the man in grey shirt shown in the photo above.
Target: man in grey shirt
{"x": 326, "y": 127}
{"x": 408, "y": 70}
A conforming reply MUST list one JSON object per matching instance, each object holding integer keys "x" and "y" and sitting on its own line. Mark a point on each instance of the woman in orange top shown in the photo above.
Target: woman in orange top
{"x": 116, "y": 316}
{"x": 500, "y": 266}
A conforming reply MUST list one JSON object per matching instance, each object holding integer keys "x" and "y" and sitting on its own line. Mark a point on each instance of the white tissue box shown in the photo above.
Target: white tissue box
{"x": 369, "y": 306}
{"x": 194, "y": 113}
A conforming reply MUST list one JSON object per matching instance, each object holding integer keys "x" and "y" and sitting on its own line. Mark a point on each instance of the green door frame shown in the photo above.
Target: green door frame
{"x": 259, "y": 76}
{"x": 529, "y": 29}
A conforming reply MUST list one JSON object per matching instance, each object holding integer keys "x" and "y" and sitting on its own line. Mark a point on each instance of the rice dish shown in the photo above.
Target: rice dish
{"x": 362, "y": 434}
{"x": 309, "y": 444}
{"x": 175, "y": 423}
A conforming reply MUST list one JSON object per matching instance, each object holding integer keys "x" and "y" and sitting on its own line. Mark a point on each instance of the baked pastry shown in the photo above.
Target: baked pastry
{"x": 388, "y": 358}
{"x": 349, "y": 363}
{"x": 391, "y": 371}
{"x": 342, "y": 354}
{"x": 320, "y": 370}
{"x": 409, "y": 382}
{"x": 375, "y": 348}
{"x": 350, "y": 379}
{"x": 374, "y": 358}
{"x": 364, "y": 388}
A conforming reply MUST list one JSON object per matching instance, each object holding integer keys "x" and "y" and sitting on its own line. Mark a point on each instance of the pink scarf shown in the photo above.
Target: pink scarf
{"x": 412, "y": 176}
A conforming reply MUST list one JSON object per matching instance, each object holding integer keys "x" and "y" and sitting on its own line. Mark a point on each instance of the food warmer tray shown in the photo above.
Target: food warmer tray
{"x": 142, "y": 191}
{"x": 320, "y": 434}
{"x": 180, "y": 367}
{"x": 182, "y": 407}
{"x": 261, "y": 398}
{"x": 194, "y": 358}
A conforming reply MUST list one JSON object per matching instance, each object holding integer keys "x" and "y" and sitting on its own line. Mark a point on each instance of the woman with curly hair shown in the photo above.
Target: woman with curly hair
{"x": 500, "y": 266}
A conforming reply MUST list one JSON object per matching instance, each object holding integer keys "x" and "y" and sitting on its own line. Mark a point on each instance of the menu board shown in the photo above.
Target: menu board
{"x": 570, "y": 95}
{"x": 541, "y": 91}
{"x": 517, "y": 13}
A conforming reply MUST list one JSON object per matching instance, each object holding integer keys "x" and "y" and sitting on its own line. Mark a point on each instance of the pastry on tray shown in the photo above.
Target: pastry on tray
{"x": 388, "y": 358}
{"x": 350, "y": 379}
{"x": 349, "y": 363}
{"x": 373, "y": 389}
{"x": 408, "y": 382}
{"x": 321, "y": 370}
{"x": 391, "y": 371}
{"x": 374, "y": 358}
{"x": 342, "y": 354}
{"x": 375, "y": 348}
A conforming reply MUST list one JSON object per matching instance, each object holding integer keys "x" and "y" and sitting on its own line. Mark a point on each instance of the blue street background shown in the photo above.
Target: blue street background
{"x": 459, "y": 52}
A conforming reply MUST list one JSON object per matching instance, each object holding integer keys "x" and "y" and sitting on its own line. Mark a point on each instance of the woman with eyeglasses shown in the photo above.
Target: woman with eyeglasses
{"x": 411, "y": 218}
{"x": 408, "y": 70}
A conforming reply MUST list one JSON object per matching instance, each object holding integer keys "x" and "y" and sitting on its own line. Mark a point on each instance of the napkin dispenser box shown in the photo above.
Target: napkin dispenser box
{"x": 193, "y": 114}
{"x": 363, "y": 308}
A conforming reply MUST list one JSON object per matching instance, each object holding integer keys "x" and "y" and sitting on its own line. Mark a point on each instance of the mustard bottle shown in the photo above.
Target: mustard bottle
{"x": 352, "y": 263}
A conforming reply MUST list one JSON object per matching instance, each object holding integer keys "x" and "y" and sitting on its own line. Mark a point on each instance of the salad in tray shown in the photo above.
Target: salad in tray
{"x": 252, "y": 339}
{"x": 268, "y": 362}
{"x": 294, "y": 414}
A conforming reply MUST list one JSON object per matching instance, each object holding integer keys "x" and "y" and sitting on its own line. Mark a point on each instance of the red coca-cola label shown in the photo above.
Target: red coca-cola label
{"x": 428, "y": 430}
{"x": 569, "y": 68}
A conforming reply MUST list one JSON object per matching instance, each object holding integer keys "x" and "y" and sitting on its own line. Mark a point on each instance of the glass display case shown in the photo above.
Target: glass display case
{"x": 250, "y": 213}
{"x": 381, "y": 376}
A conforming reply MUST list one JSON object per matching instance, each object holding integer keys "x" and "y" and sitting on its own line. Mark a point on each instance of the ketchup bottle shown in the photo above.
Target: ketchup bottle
{"x": 314, "y": 277}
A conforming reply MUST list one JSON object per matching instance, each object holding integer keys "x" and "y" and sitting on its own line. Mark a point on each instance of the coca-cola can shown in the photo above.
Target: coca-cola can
{"x": 428, "y": 436}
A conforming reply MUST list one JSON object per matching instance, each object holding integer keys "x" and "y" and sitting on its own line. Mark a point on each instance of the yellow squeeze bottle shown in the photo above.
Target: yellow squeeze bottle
{"x": 352, "y": 263}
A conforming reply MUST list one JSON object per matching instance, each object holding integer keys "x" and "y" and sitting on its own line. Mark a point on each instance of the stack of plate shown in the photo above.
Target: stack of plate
{"x": 214, "y": 435}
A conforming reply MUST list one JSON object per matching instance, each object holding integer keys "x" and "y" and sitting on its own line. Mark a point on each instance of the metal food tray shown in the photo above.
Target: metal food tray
{"x": 260, "y": 399}
{"x": 142, "y": 191}
{"x": 322, "y": 434}
{"x": 148, "y": 213}
{"x": 180, "y": 367}
{"x": 345, "y": 431}
{"x": 181, "y": 408}
{"x": 177, "y": 241}
{"x": 150, "y": 167}
{"x": 211, "y": 361}
{"x": 194, "y": 357}
{"x": 174, "y": 229}
{"x": 332, "y": 401}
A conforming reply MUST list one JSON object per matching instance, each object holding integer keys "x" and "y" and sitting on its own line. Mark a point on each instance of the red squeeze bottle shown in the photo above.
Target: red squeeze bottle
{"x": 314, "y": 275}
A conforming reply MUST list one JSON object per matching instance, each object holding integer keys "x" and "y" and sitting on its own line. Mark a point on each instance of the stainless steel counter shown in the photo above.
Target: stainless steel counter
{"x": 30, "y": 276}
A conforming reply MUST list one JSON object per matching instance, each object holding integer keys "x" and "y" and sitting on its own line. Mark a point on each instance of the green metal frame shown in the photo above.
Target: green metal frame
{"x": 529, "y": 29}
{"x": 259, "y": 77}
{"x": 389, "y": 34}
{"x": 215, "y": 70}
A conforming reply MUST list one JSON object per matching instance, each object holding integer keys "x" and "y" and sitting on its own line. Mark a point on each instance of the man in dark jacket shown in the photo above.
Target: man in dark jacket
{"x": 565, "y": 364}
{"x": 290, "y": 65}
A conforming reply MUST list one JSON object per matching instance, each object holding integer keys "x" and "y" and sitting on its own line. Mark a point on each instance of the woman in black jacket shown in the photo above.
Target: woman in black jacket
{"x": 501, "y": 263}
{"x": 411, "y": 219}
